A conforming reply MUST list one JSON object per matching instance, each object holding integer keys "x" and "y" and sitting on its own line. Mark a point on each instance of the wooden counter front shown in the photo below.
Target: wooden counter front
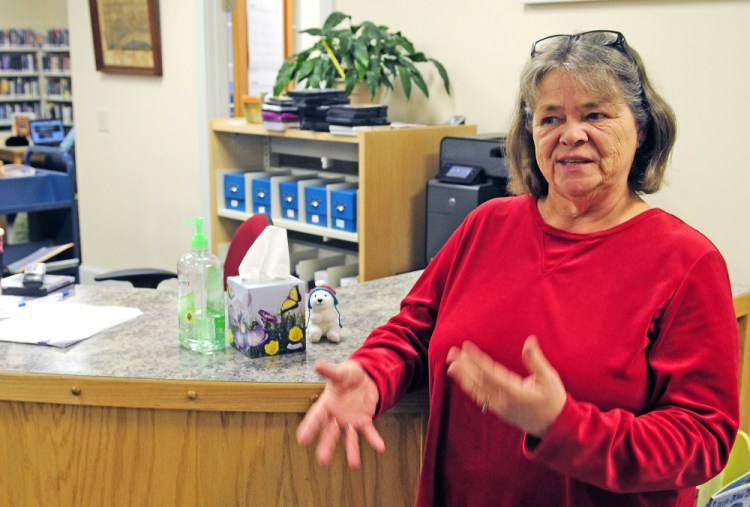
{"x": 183, "y": 451}
{"x": 128, "y": 418}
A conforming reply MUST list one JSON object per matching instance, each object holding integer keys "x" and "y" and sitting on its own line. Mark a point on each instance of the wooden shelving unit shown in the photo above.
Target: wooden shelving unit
{"x": 392, "y": 167}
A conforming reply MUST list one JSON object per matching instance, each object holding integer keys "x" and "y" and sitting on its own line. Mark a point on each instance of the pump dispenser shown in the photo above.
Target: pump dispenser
{"x": 201, "y": 296}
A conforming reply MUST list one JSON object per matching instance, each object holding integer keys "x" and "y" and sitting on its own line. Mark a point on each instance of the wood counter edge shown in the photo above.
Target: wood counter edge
{"x": 205, "y": 395}
{"x": 235, "y": 396}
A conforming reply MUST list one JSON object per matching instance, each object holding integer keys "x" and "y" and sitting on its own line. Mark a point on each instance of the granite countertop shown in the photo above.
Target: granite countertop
{"x": 147, "y": 346}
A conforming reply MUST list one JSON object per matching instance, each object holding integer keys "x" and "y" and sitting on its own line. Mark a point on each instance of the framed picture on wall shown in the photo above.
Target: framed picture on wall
{"x": 126, "y": 36}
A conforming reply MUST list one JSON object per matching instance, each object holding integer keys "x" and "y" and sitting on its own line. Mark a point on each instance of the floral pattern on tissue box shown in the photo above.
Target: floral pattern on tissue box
{"x": 266, "y": 318}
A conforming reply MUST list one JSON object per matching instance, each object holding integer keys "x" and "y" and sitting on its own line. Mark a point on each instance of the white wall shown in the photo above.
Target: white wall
{"x": 34, "y": 14}
{"x": 696, "y": 52}
{"x": 139, "y": 180}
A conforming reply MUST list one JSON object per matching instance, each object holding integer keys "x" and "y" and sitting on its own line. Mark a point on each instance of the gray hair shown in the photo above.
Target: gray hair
{"x": 594, "y": 65}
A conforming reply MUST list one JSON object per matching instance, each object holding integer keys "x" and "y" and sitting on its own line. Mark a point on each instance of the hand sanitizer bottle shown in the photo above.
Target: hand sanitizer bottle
{"x": 201, "y": 296}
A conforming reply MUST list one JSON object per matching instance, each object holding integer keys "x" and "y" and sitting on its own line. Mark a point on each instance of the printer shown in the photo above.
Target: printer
{"x": 472, "y": 171}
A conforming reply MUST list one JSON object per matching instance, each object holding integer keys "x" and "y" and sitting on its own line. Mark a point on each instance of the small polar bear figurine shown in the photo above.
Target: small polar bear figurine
{"x": 324, "y": 317}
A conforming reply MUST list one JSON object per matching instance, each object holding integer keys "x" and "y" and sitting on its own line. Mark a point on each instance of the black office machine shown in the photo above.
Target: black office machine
{"x": 472, "y": 171}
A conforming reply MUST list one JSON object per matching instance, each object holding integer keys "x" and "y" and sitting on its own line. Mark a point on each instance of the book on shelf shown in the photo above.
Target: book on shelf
{"x": 41, "y": 255}
{"x": 22, "y": 123}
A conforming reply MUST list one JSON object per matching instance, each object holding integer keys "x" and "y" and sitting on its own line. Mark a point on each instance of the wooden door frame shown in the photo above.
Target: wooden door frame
{"x": 241, "y": 51}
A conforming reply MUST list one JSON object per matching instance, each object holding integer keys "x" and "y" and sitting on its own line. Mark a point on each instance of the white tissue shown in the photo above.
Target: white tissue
{"x": 267, "y": 258}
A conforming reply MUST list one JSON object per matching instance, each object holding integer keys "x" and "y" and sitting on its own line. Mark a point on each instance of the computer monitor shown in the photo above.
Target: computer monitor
{"x": 47, "y": 132}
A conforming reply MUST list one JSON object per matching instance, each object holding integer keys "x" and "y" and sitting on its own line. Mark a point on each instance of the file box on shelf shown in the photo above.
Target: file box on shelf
{"x": 234, "y": 191}
{"x": 316, "y": 205}
{"x": 344, "y": 209}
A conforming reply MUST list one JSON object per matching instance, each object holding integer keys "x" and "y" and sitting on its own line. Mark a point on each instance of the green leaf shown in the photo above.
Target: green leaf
{"x": 369, "y": 30}
{"x": 390, "y": 66}
{"x": 361, "y": 54}
{"x": 305, "y": 70}
{"x": 443, "y": 74}
{"x": 419, "y": 81}
{"x": 361, "y": 69}
{"x": 403, "y": 73}
{"x": 282, "y": 78}
{"x": 345, "y": 46}
{"x": 334, "y": 19}
{"x": 312, "y": 31}
{"x": 350, "y": 81}
{"x": 405, "y": 43}
{"x": 278, "y": 87}
{"x": 417, "y": 57}
{"x": 373, "y": 83}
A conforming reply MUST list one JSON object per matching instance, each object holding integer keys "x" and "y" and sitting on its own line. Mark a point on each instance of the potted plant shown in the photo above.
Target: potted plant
{"x": 365, "y": 53}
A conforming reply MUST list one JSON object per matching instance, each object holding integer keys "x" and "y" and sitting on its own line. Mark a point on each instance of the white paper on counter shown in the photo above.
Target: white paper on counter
{"x": 60, "y": 324}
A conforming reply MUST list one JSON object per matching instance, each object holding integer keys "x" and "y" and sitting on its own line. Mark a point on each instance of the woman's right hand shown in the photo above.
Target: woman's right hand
{"x": 347, "y": 405}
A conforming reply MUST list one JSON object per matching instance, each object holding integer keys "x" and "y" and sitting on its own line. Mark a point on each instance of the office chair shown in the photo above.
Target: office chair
{"x": 52, "y": 159}
{"x": 142, "y": 278}
{"x": 243, "y": 238}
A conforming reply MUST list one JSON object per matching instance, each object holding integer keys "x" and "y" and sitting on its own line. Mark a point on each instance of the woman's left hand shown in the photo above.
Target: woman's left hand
{"x": 532, "y": 403}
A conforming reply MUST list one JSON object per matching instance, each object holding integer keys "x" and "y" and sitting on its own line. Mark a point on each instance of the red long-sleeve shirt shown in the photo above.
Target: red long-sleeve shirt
{"x": 638, "y": 321}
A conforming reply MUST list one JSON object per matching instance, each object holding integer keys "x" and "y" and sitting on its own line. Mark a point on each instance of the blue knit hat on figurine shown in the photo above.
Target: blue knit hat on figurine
{"x": 324, "y": 319}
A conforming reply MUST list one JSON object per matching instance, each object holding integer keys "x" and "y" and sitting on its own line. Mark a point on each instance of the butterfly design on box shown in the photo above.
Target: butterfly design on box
{"x": 292, "y": 301}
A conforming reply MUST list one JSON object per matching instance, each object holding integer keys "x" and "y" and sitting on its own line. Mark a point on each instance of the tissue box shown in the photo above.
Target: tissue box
{"x": 266, "y": 318}
{"x": 234, "y": 191}
{"x": 344, "y": 209}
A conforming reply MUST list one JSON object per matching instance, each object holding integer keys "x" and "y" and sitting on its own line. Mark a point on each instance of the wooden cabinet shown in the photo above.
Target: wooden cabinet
{"x": 392, "y": 167}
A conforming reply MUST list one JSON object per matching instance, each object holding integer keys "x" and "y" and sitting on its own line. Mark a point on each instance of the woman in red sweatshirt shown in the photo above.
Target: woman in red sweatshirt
{"x": 580, "y": 346}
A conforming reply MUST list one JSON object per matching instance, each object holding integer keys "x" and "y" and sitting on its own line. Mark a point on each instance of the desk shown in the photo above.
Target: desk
{"x": 129, "y": 418}
{"x": 12, "y": 154}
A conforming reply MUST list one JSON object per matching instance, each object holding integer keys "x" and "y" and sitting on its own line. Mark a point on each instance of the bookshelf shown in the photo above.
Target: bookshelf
{"x": 56, "y": 83}
{"x": 35, "y": 75}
